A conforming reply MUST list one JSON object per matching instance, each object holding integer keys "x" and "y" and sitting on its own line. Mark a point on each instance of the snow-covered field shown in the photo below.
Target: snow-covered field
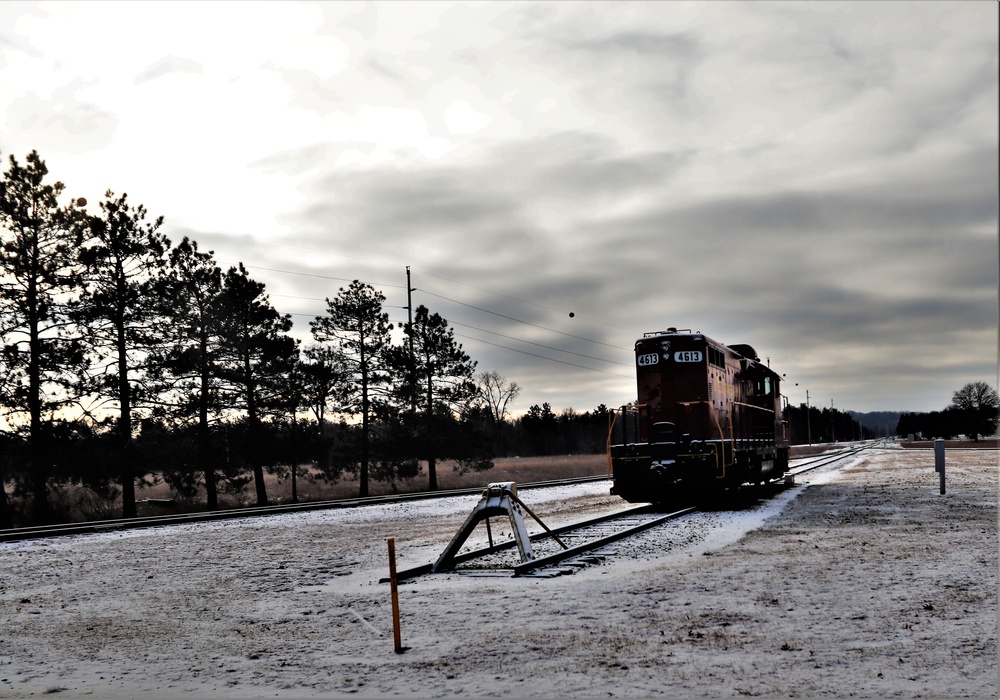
{"x": 867, "y": 582}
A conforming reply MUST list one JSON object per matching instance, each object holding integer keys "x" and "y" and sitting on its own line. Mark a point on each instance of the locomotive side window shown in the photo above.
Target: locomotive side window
{"x": 716, "y": 357}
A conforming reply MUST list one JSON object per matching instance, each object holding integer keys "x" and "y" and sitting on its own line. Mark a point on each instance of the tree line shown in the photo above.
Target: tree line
{"x": 124, "y": 355}
{"x": 810, "y": 425}
{"x": 973, "y": 412}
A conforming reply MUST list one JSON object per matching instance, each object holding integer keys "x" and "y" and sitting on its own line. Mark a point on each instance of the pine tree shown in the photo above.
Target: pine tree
{"x": 356, "y": 324}
{"x": 324, "y": 378}
{"x": 442, "y": 376}
{"x": 39, "y": 276}
{"x": 257, "y": 357}
{"x": 190, "y": 296}
{"x": 122, "y": 260}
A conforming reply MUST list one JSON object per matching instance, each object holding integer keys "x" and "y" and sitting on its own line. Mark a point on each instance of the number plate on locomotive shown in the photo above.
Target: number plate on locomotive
{"x": 648, "y": 359}
{"x": 688, "y": 356}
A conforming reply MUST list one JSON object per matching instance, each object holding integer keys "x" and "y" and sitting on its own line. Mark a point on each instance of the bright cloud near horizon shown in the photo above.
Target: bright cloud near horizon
{"x": 816, "y": 179}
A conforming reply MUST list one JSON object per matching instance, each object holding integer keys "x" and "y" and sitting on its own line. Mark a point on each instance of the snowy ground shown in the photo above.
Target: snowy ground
{"x": 867, "y": 583}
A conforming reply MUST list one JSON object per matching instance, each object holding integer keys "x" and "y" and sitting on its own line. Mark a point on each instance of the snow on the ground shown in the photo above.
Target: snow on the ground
{"x": 866, "y": 583}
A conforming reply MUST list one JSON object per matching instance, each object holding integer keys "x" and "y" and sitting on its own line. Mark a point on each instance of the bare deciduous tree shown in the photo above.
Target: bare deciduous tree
{"x": 977, "y": 404}
{"x": 497, "y": 393}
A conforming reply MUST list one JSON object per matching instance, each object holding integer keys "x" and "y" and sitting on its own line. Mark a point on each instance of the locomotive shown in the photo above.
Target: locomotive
{"x": 707, "y": 418}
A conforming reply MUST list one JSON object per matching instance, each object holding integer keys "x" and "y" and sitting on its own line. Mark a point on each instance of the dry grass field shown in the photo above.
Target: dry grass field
{"x": 516, "y": 469}
{"x": 78, "y": 503}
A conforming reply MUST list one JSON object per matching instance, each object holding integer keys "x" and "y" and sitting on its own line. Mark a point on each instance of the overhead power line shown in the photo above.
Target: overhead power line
{"x": 372, "y": 261}
{"x": 517, "y": 320}
{"x": 441, "y": 296}
{"x": 461, "y": 303}
{"x": 543, "y": 357}
{"x": 540, "y": 345}
{"x": 523, "y": 301}
{"x": 310, "y": 274}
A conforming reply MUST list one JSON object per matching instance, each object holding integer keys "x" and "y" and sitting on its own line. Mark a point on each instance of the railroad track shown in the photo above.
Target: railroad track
{"x": 828, "y": 458}
{"x": 580, "y": 539}
{"x": 95, "y": 526}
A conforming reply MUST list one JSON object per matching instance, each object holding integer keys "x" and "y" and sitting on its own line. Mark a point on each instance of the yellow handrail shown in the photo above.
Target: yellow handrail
{"x": 612, "y": 419}
{"x": 750, "y": 405}
{"x": 611, "y": 428}
{"x": 722, "y": 436}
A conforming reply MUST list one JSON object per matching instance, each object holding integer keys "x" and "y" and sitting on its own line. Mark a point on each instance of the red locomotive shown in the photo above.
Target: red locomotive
{"x": 708, "y": 417}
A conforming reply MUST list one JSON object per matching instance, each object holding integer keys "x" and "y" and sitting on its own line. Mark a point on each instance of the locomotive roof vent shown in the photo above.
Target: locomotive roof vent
{"x": 746, "y": 351}
{"x": 669, "y": 331}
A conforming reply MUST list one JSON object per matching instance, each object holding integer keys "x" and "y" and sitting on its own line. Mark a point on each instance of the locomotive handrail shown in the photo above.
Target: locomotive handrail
{"x": 715, "y": 453}
{"x": 750, "y": 405}
{"x": 722, "y": 435}
{"x": 612, "y": 419}
{"x": 732, "y": 442}
{"x": 715, "y": 449}
{"x": 756, "y": 436}
{"x": 623, "y": 410}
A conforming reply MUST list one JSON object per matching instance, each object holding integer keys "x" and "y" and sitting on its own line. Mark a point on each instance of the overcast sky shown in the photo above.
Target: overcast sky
{"x": 818, "y": 180}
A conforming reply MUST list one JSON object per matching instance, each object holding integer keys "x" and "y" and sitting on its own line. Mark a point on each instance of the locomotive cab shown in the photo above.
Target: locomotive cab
{"x": 707, "y": 416}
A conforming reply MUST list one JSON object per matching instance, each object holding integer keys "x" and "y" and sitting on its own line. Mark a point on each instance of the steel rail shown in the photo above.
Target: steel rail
{"x": 96, "y": 526}
{"x": 573, "y": 551}
{"x": 562, "y": 555}
{"x": 828, "y": 459}
{"x": 589, "y": 546}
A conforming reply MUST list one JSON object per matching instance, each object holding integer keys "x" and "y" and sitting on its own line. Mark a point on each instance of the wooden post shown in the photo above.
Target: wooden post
{"x": 939, "y": 461}
{"x": 395, "y": 596}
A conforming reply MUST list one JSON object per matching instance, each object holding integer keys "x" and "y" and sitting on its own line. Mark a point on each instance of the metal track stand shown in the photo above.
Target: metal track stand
{"x": 498, "y": 499}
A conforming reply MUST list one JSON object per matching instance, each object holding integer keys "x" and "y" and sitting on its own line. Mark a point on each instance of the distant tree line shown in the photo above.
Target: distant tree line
{"x": 541, "y": 432}
{"x": 123, "y": 355}
{"x": 974, "y": 411}
{"x": 811, "y": 425}
{"x": 880, "y": 423}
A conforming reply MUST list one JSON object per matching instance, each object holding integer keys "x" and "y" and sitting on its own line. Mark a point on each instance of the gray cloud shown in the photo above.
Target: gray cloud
{"x": 818, "y": 180}
{"x": 166, "y": 66}
{"x": 800, "y": 273}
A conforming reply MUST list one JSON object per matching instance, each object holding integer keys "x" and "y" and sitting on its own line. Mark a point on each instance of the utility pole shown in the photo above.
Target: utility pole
{"x": 413, "y": 363}
{"x": 809, "y": 432}
{"x": 833, "y": 422}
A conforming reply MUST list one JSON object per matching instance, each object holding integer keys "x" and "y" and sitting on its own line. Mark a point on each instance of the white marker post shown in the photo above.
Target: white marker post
{"x": 939, "y": 461}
